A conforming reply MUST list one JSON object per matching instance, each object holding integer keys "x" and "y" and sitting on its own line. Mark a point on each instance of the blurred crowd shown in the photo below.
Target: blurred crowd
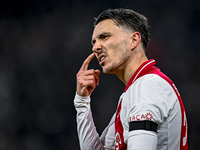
{"x": 42, "y": 46}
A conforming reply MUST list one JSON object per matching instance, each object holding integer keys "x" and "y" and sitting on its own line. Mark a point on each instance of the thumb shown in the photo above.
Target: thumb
{"x": 97, "y": 71}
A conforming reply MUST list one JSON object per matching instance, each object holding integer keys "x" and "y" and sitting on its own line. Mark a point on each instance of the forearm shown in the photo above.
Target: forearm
{"x": 88, "y": 136}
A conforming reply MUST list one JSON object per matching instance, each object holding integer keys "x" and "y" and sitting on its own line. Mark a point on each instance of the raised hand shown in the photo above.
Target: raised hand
{"x": 87, "y": 79}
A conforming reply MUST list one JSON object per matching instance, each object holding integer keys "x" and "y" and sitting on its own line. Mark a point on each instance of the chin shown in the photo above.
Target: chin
{"x": 108, "y": 71}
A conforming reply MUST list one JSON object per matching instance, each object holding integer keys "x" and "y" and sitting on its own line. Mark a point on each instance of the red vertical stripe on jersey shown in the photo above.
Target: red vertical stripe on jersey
{"x": 184, "y": 127}
{"x": 119, "y": 138}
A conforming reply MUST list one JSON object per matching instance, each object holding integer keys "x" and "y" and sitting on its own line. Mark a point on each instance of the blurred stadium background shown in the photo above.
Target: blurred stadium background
{"x": 42, "y": 46}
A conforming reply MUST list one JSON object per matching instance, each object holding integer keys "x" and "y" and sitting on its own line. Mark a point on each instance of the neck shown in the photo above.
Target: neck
{"x": 131, "y": 67}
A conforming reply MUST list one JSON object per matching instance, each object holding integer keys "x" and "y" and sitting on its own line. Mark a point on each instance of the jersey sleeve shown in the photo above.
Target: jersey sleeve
{"x": 88, "y": 137}
{"x": 150, "y": 102}
{"x": 142, "y": 140}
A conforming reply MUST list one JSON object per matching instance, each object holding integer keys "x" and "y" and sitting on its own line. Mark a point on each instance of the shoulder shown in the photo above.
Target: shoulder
{"x": 150, "y": 82}
{"x": 149, "y": 88}
{"x": 149, "y": 94}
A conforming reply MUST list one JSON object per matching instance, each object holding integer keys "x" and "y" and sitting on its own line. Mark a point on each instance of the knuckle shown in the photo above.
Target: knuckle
{"x": 79, "y": 78}
{"x": 93, "y": 78}
{"x": 81, "y": 82}
{"x": 77, "y": 75}
{"x": 92, "y": 71}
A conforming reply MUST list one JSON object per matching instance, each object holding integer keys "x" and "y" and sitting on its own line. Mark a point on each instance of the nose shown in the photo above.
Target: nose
{"x": 96, "y": 47}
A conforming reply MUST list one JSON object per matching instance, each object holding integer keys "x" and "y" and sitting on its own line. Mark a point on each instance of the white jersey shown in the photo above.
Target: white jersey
{"x": 150, "y": 115}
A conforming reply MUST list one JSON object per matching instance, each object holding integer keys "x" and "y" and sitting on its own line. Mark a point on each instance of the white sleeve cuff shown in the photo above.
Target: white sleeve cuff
{"x": 81, "y": 99}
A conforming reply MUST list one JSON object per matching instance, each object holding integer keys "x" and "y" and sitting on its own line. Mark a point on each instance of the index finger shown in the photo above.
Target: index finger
{"x": 87, "y": 62}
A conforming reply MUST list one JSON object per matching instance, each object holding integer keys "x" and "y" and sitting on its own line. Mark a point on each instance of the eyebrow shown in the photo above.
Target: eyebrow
{"x": 101, "y": 34}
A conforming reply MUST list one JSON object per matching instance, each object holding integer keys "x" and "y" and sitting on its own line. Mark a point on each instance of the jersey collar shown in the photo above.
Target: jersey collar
{"x": 142, "y": 70}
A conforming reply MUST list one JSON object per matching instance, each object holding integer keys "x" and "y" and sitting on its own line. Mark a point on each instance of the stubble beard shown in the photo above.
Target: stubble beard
{"x": 114, "y": 68}
{"x": 109, "y": 70}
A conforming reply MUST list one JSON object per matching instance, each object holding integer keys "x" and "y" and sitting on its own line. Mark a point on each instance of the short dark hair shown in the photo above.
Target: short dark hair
{"x": 129, "y": 19}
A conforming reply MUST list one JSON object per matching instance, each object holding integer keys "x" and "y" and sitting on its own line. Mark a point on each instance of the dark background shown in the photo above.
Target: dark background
{"x": 42, "y": 46}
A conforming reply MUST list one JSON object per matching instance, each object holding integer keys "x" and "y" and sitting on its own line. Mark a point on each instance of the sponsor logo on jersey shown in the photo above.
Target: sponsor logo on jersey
{"x": 139, "y": 117}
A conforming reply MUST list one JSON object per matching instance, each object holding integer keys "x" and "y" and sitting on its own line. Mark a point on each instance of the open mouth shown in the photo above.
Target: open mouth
{"x": 101, "y": 59}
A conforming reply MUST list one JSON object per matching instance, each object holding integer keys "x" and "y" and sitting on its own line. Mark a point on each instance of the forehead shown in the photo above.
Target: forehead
{"x": 105, "y": 26}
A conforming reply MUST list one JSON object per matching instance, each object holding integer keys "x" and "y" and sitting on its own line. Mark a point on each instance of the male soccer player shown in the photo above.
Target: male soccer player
{"x": 150, "y": 113}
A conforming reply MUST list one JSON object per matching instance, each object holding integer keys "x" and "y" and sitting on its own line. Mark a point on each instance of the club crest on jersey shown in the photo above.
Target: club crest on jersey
{"x": 139, "y": 117}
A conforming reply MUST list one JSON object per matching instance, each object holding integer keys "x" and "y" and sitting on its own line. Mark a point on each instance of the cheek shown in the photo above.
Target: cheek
{"x": 119, "y": 48}
{"x": 116, "y": 47}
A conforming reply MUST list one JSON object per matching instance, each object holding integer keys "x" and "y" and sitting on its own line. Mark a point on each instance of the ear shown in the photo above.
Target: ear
{"x": 136, "y": 39}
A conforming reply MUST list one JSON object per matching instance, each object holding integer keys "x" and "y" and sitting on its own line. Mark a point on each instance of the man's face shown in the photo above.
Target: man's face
{"x": 112, "y": 46}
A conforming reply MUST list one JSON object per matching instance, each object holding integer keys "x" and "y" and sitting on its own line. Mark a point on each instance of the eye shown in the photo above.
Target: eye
{"x": 104, "y": 36}
{"x": 93, "y": 42}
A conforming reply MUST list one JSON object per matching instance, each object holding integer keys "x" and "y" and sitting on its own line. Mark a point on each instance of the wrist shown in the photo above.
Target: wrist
{"x": 79, "y": 98}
